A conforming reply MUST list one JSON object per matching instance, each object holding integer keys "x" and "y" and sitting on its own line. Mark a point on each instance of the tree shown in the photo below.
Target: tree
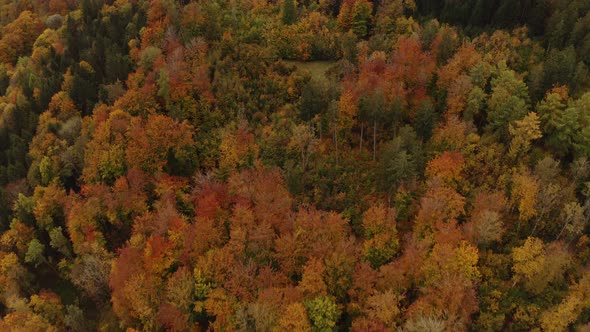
{"x": 447, "y": 167}
{"x": 18, "y": 237}
{"x": 373, "y": 105}
{"x": 105, "y": 153}
{"x": 133, "y": 296}
{"x": 391, "y": 12}
{"x": 439, "y": 207}
{"x": 289, "y": 11}
{"x": 559, "y": 67}
{"x": 397, "y": 165}
{"x": 445, "y": 45}
{"x": 384, "y": 307}
{"x": 312, "y": 283}
{"x": 237, "y": 147}
{"x": 449, "y": 275}
{"x": 508, "y": 101}
{"x": 458, "y": 93}
{"x": 90, "y": 272}
{"x": 361, "y": 18}
{"x": 475, "y": 104}
{"x": 559, "y": 317}
{"x": 83, "y": 90}
{"x": 75, "y": 319}
{"x": 25, "y": 320}
{"x": 49, "y": 201}
{"x": 295, "y": 318}
{"x": 524, "y": 195}
{"x": 221, "y": 305}
{"x": 304, "y": 142}
{"x": 464, "y": 59}
{"x": 323, "y": 313}
{"x": 60, "y": 242}
{"x": 577, "y": 121}
{"x": 450, "y": 135}
{"x": 486, "y": 224}
{"x": 536, "y": 265}
{"x": 175, "y": 313}
{"x": 154, "y": 143}
{"x": 348, "y": 46}
{"x": 381, "y": 243}
{"x": 48, "y": 305}
{"x": 18, "y": 36}
{"x": 425, "y": 120}
{"x": 410, "y": 72}
{"x": 523, "y": 132}
{"x": 35, "y": 253}
{"x": 550, "y": 111}
{"x": 345, "y": 15}
{"x": 574, "y": 220}
{"x": 425, "y": 323}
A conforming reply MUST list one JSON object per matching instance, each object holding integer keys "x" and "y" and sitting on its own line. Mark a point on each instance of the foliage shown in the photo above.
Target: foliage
{"x": 294, "y": 165}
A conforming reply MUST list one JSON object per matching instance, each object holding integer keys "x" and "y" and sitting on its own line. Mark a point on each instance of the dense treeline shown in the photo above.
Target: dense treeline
{"x": 289, "y": 165}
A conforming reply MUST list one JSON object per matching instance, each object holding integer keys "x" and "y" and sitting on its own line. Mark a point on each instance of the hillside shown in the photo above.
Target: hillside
{"x": 311, "y": 165}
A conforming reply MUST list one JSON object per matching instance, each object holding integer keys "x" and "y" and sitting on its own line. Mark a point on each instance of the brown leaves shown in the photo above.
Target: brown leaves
{"x": 414, "y": 67}
{"x": 265, "y": 190}
{"x": 18, "y": 36}
{"x": 150, "y": 141}
{"x": 381, "y": 243}
{"x": 439, "y": 204}
{"x": 537, "y": 264}
{"x": 237, "y": 147}
{"x": 486, "y": 224}
{"x": 465, "y": 58}
{"x": 447, "y": 167}
{"x": 524, "y": 195}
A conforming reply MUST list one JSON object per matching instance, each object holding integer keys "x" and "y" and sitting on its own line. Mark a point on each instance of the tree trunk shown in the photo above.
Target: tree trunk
{"x": 334, "y": 137}
{"x": 303, "y": 159}
{"x": 535, "y": 227}
{"x": 337, "y": 154}
{"x": 537, "y": 219}
{"x": 374, "y": 140}
{"x": 562, "y": 229}
{"x": 361, "y": 143}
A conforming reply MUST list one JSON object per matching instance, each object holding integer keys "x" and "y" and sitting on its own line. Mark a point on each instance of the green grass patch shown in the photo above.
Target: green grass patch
{"x": 317, "y": 69}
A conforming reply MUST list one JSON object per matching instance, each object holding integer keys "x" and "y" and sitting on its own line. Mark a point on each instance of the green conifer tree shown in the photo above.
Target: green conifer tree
{"x": 289, "y": 11}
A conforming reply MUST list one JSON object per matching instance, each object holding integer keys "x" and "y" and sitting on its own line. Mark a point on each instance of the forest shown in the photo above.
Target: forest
{"x": 294, "y": 165}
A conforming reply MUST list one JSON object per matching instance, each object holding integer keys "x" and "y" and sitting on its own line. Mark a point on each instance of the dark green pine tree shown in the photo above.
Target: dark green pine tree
{"x": 289, "y": 11}
{"x": 361, "y": 15}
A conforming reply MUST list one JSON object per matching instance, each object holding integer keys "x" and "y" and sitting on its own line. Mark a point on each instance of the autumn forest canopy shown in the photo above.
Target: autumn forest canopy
{"x": 294, "y": 165}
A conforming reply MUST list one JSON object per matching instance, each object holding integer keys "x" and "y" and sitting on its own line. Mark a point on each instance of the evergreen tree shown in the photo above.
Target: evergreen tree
{"x": 361, "y": 17}
{"x": 289, "y": 11}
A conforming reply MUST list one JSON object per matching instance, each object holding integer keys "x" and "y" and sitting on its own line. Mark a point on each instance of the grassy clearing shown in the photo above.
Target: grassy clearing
{"x": 317, "y": 69}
